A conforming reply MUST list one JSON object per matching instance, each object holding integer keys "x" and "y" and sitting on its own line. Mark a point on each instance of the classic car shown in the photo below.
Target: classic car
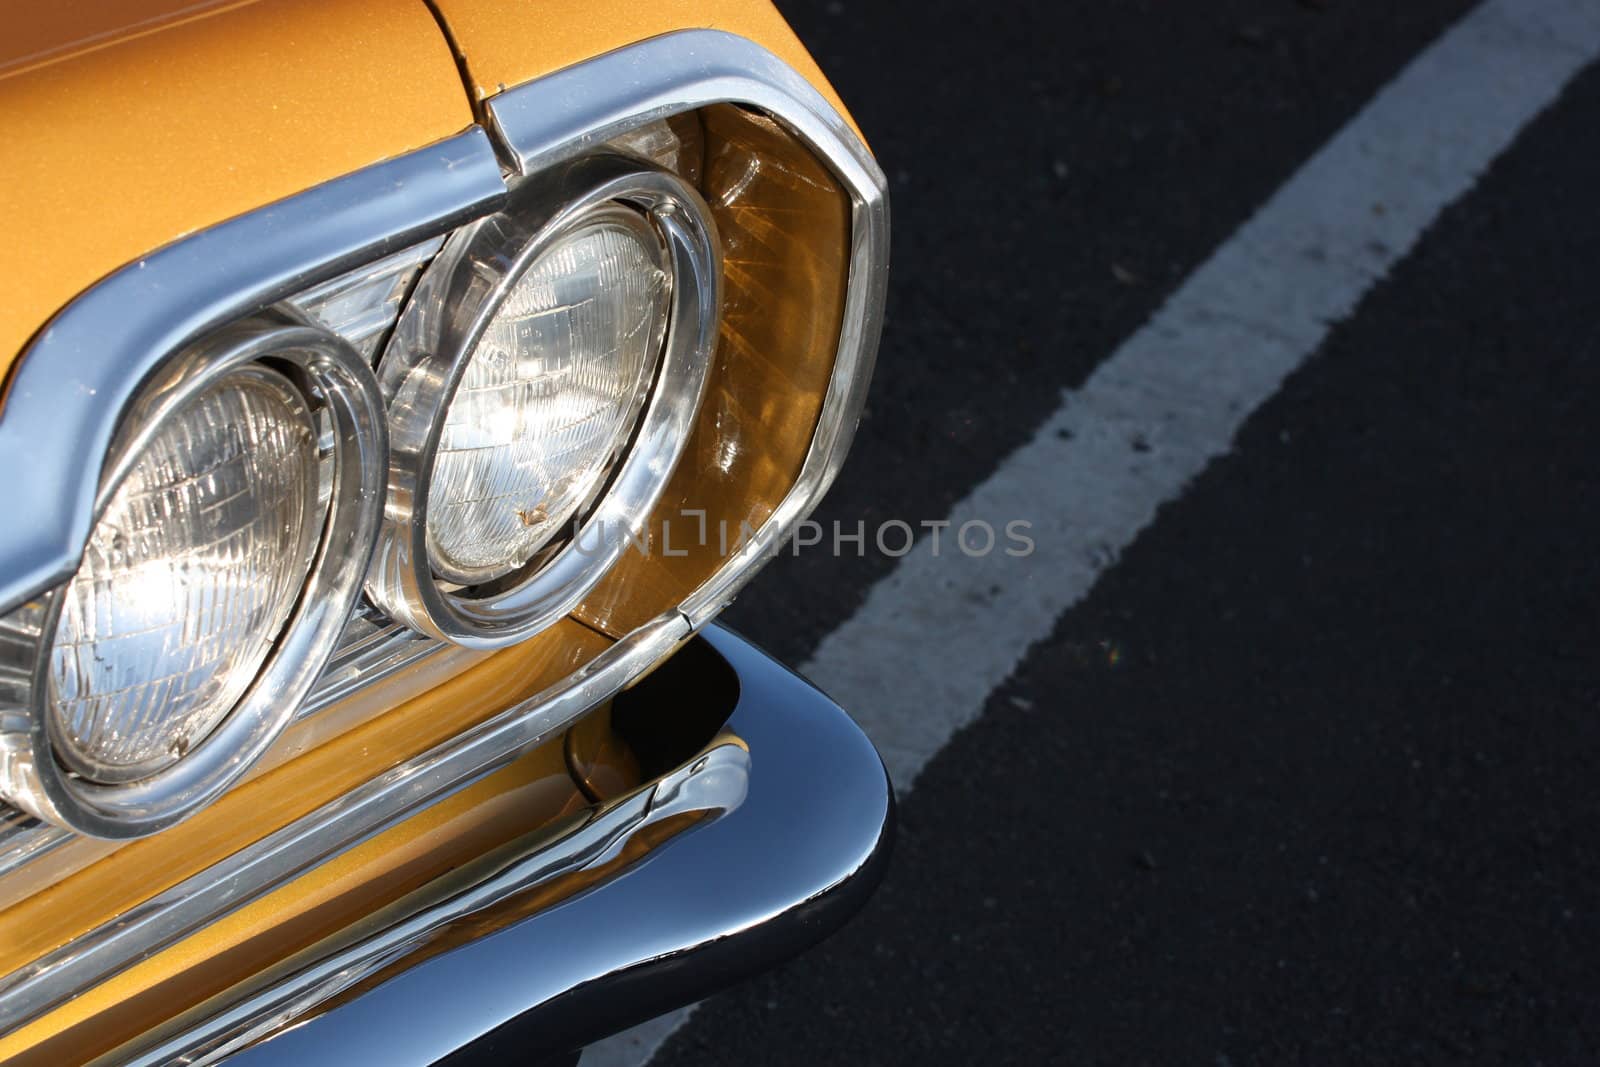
{"x": 394, "y": 393}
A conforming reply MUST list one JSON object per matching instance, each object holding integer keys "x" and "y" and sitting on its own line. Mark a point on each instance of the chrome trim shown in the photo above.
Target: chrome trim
{"x": 382, "y": 665}
{"x": 32, "y": 775}
{"x": 371, "y": 648}
{"x": 338, "y": 825}
{"x": 738, "y": 895}
{"x": 433, "y": 343}
{"x": 69, "y": 389}
{"x": 678, "y": 72}
{"x": 367, "y": 325}
{"x": 24, "y": 839}
{"x": 703, "y": 790}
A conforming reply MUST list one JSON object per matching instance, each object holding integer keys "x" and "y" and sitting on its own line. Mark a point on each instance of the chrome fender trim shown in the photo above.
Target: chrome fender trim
{"x": 767, "y": 879}
{"x": 74, "y": 381}
{"x": 706, "y": 788}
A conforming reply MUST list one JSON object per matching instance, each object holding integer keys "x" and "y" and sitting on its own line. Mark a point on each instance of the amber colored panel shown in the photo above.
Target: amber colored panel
{"x": 503, "y": 807}
{"x": 110, "y": 153}
{"x": 785, "y": 228}
{"x": 140, "y": 869}
{"x": 600, "y": 761}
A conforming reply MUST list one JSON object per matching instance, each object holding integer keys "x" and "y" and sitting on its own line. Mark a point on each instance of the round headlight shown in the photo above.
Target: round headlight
{"x": 541, "y": 384}
{"x": 235, "y": 519}
{"x": 187, "y": 579}
{"x": 548, "y": 397}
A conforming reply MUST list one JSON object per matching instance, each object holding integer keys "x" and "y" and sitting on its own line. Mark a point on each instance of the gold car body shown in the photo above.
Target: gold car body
{"x": 129, "y": 125}
{"x": 109, "y": 108}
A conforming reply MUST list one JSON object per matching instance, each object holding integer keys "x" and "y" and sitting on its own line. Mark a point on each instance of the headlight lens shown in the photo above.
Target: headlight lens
{"x": 187, "y": 580}
{"x": 541, "y": 383}
{"x": 548, "y": 397}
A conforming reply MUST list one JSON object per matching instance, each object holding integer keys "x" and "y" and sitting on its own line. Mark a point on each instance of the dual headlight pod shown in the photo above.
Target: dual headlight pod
{"x": 532, "y": 402}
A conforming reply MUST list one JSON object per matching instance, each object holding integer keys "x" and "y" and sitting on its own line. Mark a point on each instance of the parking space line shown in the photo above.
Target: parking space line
{"x": 938, "y": 634}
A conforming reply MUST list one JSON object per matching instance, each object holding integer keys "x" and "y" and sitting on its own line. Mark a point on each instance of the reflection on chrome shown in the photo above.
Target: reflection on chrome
{"x": 598, "y": 847}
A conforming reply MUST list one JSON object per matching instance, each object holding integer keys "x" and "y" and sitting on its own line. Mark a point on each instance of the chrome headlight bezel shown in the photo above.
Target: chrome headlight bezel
{"x": 339, "y": 383}
{"x": 434, "y": 341}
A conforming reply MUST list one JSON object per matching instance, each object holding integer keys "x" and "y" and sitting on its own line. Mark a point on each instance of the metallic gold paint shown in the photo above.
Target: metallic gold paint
{"x": 113, "y": 152}
{"x": 37, "y": 34}
{"x": 509, "y": 42}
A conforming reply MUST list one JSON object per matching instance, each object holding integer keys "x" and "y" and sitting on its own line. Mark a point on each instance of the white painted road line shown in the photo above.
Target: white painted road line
{"x": 938, "y": 634}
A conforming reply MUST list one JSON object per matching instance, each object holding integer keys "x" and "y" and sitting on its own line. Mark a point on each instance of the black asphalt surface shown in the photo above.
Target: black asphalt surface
{"x": 1310, "y": 776}
{"x": 1055, "y": 171}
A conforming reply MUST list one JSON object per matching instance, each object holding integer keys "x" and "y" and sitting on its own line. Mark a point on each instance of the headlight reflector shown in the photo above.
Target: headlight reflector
{"x": 187, "y": 579}
{"x": 548, "y": 397}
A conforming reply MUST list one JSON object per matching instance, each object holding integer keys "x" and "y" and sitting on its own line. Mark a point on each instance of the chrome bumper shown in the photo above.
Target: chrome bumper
{"x": 791, "y": 827}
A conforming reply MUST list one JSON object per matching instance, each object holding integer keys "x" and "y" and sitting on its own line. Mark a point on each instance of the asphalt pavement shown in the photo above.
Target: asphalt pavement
{"x": 1309, "y": 775}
